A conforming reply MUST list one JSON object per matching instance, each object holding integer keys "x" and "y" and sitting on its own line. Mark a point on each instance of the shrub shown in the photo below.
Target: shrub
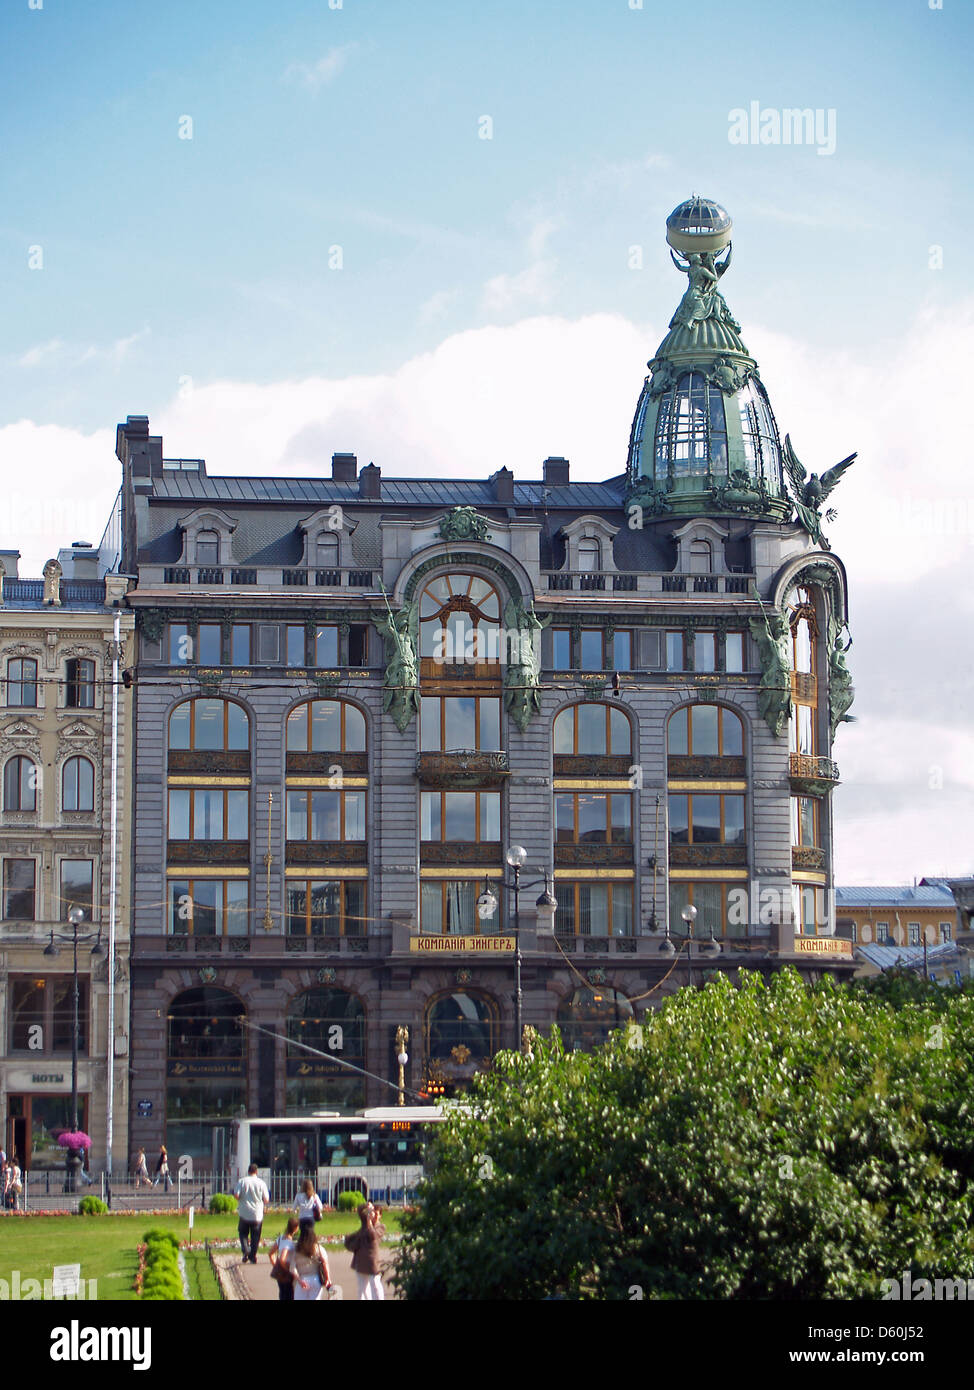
{"x": 350, "y": 1200}
{"x": 222, "y": 1202}
{"x": 162, "y": 1281}
{"x": 771, "y": 1141}
{"x": 156, "y": 1233}
{"x": 92, "y": 1206}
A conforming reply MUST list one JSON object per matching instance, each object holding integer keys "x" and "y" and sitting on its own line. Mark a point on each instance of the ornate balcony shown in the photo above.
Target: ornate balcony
{"x": 462, "y": 767}
{"x": 812, "y": 774}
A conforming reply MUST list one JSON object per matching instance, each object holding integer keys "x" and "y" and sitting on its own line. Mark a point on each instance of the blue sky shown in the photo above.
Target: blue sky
{"x": 358, "y": 127}
{"x": 487, "y": 309}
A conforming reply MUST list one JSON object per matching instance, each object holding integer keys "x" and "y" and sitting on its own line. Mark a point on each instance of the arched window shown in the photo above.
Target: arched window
{"x": 759, "y": 433}
{"x": 207, "y": 1065}
{"x": 461, "y": 1028}
{"x": 595, "y": 729}
{"x": 326, "y": 550}
{"x": 210, "y": 725}
{"x": 691, "y": 429}
{"x": 331, "y": 1021}
{"x": 207, "y": 548}
{"x": 804, "y": 630}
{"x": 78, "y": 785}
{"x": 589, "y": 1016}
{"x": 459, "y": 619}
{"x": 326, "y": 726}
{"x": 589, "y": 555}
{"x": 19, "y": 785}
{"x": 804, "y": 690}
{"x": 704, "y": 731}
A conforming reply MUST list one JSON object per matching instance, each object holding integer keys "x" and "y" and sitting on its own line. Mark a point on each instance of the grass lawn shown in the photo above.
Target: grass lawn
{"x": 105, "y": 1245}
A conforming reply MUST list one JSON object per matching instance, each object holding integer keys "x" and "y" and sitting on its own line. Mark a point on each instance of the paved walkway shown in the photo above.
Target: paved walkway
{"x": 252, "y": 1282}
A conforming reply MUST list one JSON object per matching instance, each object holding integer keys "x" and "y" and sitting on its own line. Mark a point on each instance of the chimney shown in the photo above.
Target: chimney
{"x": 79, "y": 561}
{"x": 135, "y": 448}
{"x": 503, "y": 484}
{"x": 370, "y": 482}
{"x": 555, "y": 472}
{"x": 344, "y": 468}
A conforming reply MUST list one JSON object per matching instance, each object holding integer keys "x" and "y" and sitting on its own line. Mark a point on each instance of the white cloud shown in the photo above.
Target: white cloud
{"x": 313, "y": 76}
{"x": 76, "y": 355}
{"x": 437, "y": 306}
{"x": 35, "y": 355}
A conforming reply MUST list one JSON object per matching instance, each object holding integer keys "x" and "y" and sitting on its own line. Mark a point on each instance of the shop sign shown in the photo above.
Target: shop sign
{"x": 477, "y": 945}
{"x": 193, "y": 1067}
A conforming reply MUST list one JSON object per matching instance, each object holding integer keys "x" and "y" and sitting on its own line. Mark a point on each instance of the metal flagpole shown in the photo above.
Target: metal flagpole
{"x": 112, "y": 882}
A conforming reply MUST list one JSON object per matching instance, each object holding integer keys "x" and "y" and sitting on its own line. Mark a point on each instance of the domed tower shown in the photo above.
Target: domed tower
{"x": 704, "y": 437}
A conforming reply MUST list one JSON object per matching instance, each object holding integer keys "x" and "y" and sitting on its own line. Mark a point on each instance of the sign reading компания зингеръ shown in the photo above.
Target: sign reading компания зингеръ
{"x": 499, "y": 945}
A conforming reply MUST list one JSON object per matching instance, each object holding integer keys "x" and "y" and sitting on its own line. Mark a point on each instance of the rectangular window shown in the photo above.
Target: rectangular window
{"x": 593, "y": 818}
{"x": 452, "y": 724}
{"x": 358, "y": 645}
{"x": 448, "y": 907}
{"x": 706, "y": 819}
{"x": 209, "y": 644}
{"x": 208, "y": 813}
{"x": 464, "y": 816}
{"x": 326, "y": 815}
{"x": 77, "y": 883}
{"x": 913, "y": 929}
{"x": 675, "y": 660}
{"x": 180, "y": 647}
{"x": 22, "y": 683}
{"x": 809, "y": 909}
{"x": 42, "y": 1013}
{"x": 326, "y": 907}
{"x": 946, "y": 932}
{"x": 622, "y": 651}
{"x": 208, "y": 907}
{"x": 734, "y": 651}
{"x": 592, "y": 657}
{"x": 295, "y": 644}
{"x": 802, "y": 730}
{"x": 590, "y": 908}
{"x": 882, "y": 933}
{"x": 721, "y": 908}
{"x": 705, "y": 651}
{"x": 804, "y": 821}
{"x": 268, "y": 644}
{"x": 561, "y": 648}
{"x": 18, "y": 889}
{"x": 240, "y": 645}
{"x": 80, "y": 688}
{"x": 326, "y": 646}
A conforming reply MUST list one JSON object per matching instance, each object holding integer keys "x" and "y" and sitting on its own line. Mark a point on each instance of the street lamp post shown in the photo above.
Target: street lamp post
{"x": 708, "y": 949}
{"x": 402, "y": 1057}
{"x": 75, "y": 917}
{"x": 546, "y": 905}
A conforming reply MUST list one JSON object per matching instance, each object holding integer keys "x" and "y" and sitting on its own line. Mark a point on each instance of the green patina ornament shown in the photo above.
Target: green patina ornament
{"x": 741, "y": 494}
{"x": 401, "y": 685}
{"x": 808, "y": 493}
{"x": 772, "y": 635}
{"x": 653, "y": 500}
{"x": 463, "y": 524}
{"x": 841, "y": 690}
{"x": 702, "y": 299}
{"x": 522, "y": 675}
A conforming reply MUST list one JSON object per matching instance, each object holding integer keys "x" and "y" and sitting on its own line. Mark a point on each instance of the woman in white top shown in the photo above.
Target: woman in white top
{"x": 307, "y": 1204}
{"x": 310, "y": 1265}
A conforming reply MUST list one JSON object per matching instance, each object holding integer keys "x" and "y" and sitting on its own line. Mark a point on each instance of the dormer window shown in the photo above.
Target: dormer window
{"x": 207, "y": 548}
{"x": 589, "y": 555}
{"x": 701, "y": 557}
{"x": 326, "y": 551}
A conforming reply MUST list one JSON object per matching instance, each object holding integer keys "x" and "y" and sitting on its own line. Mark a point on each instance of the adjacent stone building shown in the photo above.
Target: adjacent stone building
{"x": 355, "y": 692}
{"x": 57, "y": 639}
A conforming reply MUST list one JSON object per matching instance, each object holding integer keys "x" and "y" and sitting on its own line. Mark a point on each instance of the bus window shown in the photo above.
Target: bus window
{"x": 260, "y": 1146}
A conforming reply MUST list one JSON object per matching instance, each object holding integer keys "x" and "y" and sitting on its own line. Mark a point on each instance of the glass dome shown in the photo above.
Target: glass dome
{"x": 691, "y": 430}
{"x": 698, "y": 224}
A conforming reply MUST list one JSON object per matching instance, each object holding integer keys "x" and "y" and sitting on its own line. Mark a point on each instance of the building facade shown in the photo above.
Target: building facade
{"x": 57, "y": 748}
{"x": 354, "y": 693}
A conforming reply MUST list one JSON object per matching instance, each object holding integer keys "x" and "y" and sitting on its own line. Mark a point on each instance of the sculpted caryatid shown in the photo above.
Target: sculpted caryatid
{"x": 523, "y": 675}
{"x": 772, "y": 635}
{"x": 702, "y": 299}
{"x": 401, "y": 685}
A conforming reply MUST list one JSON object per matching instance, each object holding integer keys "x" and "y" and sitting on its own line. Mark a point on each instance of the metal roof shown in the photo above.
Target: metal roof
{"x": 907, "y": 957}
{"x": 416, "y": 492}
{"x": 899, "y": 895}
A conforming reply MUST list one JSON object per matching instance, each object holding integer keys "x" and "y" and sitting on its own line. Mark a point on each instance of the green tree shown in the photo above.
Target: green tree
{"x": 766, "y": 1141}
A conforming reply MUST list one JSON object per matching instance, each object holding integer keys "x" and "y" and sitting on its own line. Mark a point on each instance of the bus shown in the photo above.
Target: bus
{"x": 377, "y": 1152}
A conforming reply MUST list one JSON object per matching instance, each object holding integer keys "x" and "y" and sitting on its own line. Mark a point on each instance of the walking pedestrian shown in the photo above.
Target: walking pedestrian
{"x": 12, "y": 1184}
{"x": 365, "y": 1245}
{"x": 307, "y": 1204}
{"x": 311, "y": 1272}
{"x": 252, "y": 1197}
{"x": 141, "y": 1171}
{"x": 282, "y": 1252}
{"x": 162, "y": 1169}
